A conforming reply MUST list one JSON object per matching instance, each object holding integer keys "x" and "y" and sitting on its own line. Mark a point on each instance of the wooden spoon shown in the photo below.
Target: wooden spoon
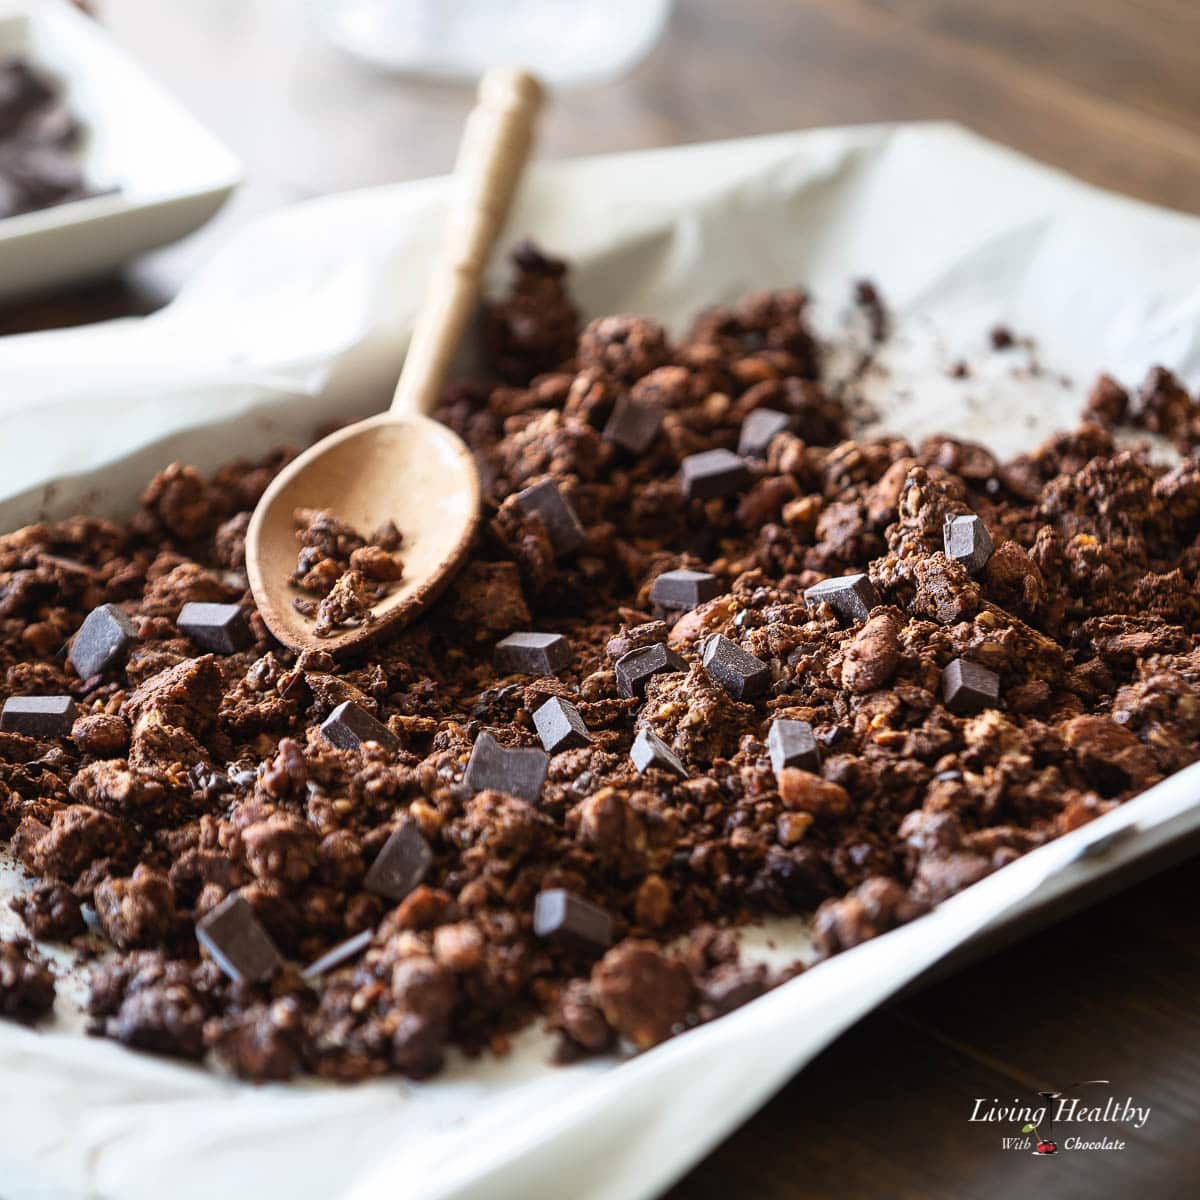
{"x": 401, "y": 465}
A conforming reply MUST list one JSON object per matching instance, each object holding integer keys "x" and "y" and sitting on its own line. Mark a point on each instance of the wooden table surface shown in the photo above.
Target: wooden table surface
{"x": 1107, "y": 89}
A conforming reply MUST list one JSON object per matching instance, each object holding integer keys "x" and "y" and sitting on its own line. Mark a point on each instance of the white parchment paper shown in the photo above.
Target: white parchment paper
{"x": 304, "y": 317}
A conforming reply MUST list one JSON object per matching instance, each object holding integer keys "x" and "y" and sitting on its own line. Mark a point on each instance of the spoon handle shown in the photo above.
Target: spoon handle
{"x": 491, "y": 156}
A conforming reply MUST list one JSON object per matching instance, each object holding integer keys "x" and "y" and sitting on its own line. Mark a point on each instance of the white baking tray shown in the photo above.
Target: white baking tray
{"x": 304, "y": 317}
{"x": 162, "y": 174}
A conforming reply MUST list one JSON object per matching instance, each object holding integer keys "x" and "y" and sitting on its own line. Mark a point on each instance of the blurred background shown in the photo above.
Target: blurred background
{"x": 317, "y": 96}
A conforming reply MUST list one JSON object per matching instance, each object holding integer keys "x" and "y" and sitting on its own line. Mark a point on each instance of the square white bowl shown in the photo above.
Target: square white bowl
{"x": 169, "y": 175}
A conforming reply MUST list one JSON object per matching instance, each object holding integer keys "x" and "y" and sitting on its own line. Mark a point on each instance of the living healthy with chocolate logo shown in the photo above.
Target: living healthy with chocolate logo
{"x": 1040, "y": 1123}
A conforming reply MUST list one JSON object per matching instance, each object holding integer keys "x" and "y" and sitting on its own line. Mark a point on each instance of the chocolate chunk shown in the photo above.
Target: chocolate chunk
{"x": 533, "y": 653}
{"x": 341, "y": 954}
{"x": 742, "y": 675}
{"x": 38, "y": 716}
{"x": 968, "y": 542}
{"x": 221, "y": 628}
{"x": 102, "y": 641}
{"x": 348, "y": 726}
{"x": 634, "y": 424}
{"x": 635, "y": 669}
{"x": 238, "y": 943}
{"x": 758, "y": 429}
{"x": 560, "y": 726}
{"x": 649, "y": 750}
{"x": 562, "y": 525}
{"x": 850, "y": 596}
{"x": 712, "y": 474}
{"x": 572, "y": 920}
{"x": 969, "y": 688}
{"x": 519, "y": 772}
{"x": 792, "y": 744}
{"x": 402, "y": 863}
{"x": 684, "y": 589}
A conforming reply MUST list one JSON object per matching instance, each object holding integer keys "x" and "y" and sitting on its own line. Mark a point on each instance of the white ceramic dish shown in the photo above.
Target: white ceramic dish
{"x": 303, "y": 318}
{"x": 168, "y": 173}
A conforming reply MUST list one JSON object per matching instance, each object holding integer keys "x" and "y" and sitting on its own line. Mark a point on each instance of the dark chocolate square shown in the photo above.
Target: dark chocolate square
{"x": 560, "y": 726}
{"x": 635, "y": 669}
{"x": 38, "y": 716}
{"x": 742, "y": 675}
{"x": 520, "y": 772}
{"x": 238, "y": 943}
{"x": 570, "y": 919}
{"x": 634, "y": 424}
{"x": 649, "y": 750}
{"x": 219, "y": 628}
{"x": 969, "y": 688}
{"x": 684, "y": 589}
{"x": 562, "y": 525}
{"x": 348, "y": 726}
{"x": 967, "y": 541}
{"x": 713, "y": 474}
{"x": 341, "y": 954}
{"x": 850, "y": 596}
{"x": 533, "y": 653}
{"x": 401, "y": 864}
{"x": 102, "y": 642}
{"x": 758, "y": 430}
{"x": 792, "y": 744}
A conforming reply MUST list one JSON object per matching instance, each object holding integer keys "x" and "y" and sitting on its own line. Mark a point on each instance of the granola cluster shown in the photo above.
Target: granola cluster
{"x": 348, "y": 572}
{"x": 189, "y": 780}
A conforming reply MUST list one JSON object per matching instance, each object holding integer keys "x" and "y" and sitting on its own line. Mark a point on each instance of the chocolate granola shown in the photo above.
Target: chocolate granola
{"x": 347, "y": 571}
{"x": 26, "y": 985}
{"x": 346, "y": 867}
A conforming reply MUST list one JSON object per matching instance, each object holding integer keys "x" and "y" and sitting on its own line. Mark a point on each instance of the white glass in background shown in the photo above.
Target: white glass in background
{"x": 563, "y": 41}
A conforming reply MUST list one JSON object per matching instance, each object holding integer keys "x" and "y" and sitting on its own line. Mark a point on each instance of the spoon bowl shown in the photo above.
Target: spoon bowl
{"x": 399, "y": 467}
